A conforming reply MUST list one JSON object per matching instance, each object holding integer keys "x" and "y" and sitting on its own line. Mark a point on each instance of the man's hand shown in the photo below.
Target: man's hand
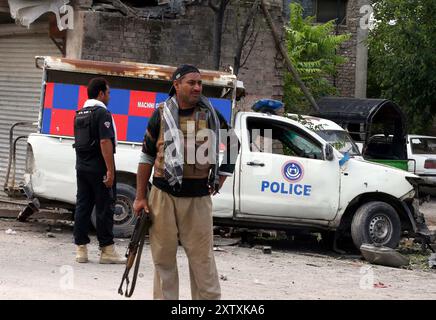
{"x": 108, "y": 155}
{"x": 221, "y": 182}
{"x": 108, "y": 179}
{"x": 140, "y": 204}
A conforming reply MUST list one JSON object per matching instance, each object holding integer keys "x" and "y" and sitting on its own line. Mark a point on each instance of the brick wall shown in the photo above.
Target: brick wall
{"x": 346, "y": 77}
{"x": 187, "y": 39}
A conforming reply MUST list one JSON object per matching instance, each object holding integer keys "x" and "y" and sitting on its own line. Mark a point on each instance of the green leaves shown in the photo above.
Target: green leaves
{"x": 402, "y": 58}
{"x": 312, "y": 49}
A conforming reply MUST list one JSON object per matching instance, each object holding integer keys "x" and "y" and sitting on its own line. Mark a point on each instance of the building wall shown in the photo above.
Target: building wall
{"x": 186, "y": 39}
{"x": 346, "y": 77}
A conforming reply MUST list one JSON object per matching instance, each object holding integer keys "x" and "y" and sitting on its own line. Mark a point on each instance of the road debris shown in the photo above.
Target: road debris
{"x": 432, "y": 261}
{"x": 380, "y": 285}
{"x": 220, "y": 241}
{"x": 256, "y": 281}
{"x": 10, "y": 231}
{"x": 312, "y": 265}
{"x": 266, "y": 249}
{"x": 50, "y": 235}
{"x": 223, "y": 277}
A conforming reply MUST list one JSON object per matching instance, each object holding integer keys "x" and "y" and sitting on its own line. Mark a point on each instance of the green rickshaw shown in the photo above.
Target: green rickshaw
{"x": 378, "y": 126}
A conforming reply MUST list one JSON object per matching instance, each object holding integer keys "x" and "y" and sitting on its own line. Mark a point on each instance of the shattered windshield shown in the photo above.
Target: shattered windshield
{"x": 340, "y": 140}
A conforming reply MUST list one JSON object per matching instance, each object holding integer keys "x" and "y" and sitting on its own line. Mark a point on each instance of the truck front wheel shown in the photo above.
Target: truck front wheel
{"x": 124, "y": 217}
{"x": 376, "y": 223}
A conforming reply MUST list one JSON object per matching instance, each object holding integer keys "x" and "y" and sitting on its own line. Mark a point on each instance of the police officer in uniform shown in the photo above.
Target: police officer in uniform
{"x": 95, "y": 140}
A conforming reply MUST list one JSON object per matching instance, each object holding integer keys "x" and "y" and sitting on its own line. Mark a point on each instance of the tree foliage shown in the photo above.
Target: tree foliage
{"x": 312, "y": 50}
{"x": 402, "y": 55}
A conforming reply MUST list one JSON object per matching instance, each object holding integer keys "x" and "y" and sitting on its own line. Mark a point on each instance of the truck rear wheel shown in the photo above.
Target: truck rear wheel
{"x": 124, "y": 217}
{"x": 376, "y": 222}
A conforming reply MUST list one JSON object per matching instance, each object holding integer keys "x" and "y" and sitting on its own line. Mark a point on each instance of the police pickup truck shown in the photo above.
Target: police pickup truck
{"x": 286, "y": 175}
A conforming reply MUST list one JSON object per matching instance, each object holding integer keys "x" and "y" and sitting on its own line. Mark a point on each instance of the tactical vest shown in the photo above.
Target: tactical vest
{"x": 84, "y": 130}
{"x": 190, "y": 171}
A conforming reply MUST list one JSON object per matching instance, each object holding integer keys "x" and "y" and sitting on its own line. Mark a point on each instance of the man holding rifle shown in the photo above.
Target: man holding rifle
{"x": 180, "y": 199}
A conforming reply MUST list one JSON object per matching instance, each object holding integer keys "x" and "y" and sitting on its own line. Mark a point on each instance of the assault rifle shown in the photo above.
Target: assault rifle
{"x": 134, "y": 252}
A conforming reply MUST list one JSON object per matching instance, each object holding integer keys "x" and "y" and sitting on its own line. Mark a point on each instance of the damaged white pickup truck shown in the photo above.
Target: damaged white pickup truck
{"x": 305, "y": 183}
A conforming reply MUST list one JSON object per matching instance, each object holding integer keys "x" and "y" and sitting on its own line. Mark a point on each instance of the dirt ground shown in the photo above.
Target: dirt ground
{"x": 37, "y": 262}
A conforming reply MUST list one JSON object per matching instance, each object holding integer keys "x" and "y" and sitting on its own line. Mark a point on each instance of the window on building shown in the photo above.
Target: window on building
{"x": 327, "y": 10}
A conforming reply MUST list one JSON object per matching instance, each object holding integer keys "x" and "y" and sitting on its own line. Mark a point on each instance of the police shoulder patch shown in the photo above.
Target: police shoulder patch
{"x": 107, "y": 124}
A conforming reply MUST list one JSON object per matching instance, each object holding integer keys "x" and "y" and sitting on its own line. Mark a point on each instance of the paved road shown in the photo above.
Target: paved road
{"x": 35, "y": 266}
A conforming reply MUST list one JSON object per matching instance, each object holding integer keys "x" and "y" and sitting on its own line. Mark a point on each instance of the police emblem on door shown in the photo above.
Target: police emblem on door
{"x": 292, "y": 171}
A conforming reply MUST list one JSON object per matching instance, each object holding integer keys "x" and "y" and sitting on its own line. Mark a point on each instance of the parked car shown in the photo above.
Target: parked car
{"x": 421, "y": 155}
{"x": 422, "y": 150}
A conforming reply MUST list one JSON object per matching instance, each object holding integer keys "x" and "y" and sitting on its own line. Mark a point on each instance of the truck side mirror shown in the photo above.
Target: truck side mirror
{"x": 328, "y": 152}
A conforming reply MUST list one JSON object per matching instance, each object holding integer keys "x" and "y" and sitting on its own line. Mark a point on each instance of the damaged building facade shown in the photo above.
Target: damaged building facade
{"x": 169, "y": 32}
{"x": 180, "y": 32}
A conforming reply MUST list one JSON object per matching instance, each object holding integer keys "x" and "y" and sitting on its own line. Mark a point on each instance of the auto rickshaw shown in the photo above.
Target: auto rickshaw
{"x": 378, "y": 126}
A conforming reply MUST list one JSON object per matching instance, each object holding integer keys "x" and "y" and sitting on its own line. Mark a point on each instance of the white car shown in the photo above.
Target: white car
{"x": 422, "y": 150}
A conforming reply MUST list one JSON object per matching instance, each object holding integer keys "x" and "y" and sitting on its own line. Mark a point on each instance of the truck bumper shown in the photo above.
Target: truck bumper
{"x": 420, "y": 227}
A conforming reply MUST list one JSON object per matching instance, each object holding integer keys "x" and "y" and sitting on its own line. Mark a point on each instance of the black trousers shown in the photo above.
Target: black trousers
{"x": 92, "y": 191}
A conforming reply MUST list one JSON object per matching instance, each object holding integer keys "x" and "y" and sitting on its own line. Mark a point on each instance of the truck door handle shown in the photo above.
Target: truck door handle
{"x": 255, "y": 163}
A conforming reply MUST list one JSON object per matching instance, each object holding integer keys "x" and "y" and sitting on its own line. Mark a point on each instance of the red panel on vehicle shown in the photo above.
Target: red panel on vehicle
{"x": 48, "y": 99}
{"x": 83, "y": 96}
{"x": 62, "y": 122}
{"x": 142, "y": 103}
{"x": 121, "y": 125}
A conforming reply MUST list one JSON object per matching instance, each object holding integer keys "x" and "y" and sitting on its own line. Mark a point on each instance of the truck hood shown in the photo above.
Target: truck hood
{"x": 361, "y": 176}
{"x": 379, "y": 167}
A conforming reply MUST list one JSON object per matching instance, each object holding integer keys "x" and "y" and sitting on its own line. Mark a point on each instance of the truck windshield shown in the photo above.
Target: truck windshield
{"x": 340, "y": 140}
{"x": 423, "y": 145}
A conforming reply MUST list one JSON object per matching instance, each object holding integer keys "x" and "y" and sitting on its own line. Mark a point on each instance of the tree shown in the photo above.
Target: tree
{"x": 245, "y": 36}
{"x": 312, "y": 50}
{"x": 219, "y": 9}
{"x": 245, "y": 39}
{"x": 402, "y": 49}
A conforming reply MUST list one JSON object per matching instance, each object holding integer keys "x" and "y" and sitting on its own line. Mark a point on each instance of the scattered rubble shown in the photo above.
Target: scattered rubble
{"x": 266, "y": 249}
{"x": 432, "y": 261}
{"x": 164, "y": 9}
{"x": 256, "y": 281}
{"x": 312, "y": 265}
{"x": 380, "y": 285}
{"x": 10, "y": 231}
